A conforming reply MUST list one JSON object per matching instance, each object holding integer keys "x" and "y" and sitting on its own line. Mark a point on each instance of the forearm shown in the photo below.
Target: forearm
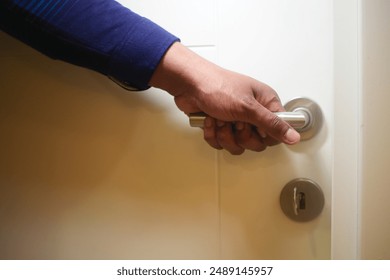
{"x": 100, "y": 35}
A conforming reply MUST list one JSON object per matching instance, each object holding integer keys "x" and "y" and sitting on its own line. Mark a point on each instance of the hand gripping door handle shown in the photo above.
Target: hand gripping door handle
{"x": 302, "y": 114}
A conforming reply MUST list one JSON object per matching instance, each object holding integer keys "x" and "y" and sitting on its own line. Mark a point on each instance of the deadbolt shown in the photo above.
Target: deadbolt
{"x": 302, "y": 200}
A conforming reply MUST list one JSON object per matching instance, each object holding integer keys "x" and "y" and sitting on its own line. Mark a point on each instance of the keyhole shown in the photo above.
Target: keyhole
{"x": 302, "y": 201}
{"x": 299, "y": 201}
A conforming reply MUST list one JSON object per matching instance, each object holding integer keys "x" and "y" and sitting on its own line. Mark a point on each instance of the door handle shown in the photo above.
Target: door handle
{"x": 297, "y": 119}
{"x": 303, "y": 114}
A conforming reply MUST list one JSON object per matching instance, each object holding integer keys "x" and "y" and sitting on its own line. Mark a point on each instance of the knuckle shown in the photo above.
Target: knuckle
{"x": 223, "y": 135}
{"x": 275, "y": 121}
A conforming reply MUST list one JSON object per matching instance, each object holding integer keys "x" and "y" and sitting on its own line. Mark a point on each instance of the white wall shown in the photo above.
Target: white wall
{"x": 375, "y": 157}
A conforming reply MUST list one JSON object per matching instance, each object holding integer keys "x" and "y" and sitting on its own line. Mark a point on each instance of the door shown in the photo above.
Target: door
{"x": 91, "y": 171}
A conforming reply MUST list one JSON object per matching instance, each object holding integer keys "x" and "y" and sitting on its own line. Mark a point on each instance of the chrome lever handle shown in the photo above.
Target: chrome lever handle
{"x": 303, "y": 115}
{"x": 298, "y": 119}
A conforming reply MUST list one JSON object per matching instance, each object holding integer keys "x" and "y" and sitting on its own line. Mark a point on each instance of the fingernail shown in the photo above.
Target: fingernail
{"x": 292, "y": 136}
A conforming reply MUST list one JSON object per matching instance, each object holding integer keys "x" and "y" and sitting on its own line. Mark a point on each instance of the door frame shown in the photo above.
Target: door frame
{"x": 346, "y": 181}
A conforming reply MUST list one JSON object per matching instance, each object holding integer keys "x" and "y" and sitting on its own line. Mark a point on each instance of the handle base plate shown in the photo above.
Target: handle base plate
{"x": 309, "y": 107}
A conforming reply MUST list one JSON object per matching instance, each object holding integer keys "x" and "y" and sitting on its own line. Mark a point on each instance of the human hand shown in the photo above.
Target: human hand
{"x": 238, "y": 136}
{"x": 240, "y": 107}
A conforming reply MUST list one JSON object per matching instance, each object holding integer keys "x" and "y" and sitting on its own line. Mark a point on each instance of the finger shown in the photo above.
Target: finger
{"x": 271, "y": 124}
{"x": 267, "y": 140}
{"x": 248, "y": 138}
{"x": 227, "y": 140}
{"x": 270, "y": 141}
{"x": 268, "y": 101}
{"x": 209, "y": 133}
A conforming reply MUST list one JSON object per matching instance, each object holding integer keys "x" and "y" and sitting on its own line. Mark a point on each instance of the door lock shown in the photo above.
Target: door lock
{"x": 302, "y": 200}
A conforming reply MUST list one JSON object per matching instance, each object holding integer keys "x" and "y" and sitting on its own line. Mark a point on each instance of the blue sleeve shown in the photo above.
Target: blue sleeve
{"x": 101, "y": 35}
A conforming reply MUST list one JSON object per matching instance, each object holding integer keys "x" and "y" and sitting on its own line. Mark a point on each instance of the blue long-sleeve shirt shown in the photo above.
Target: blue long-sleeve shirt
{"x": 101, "y": 35}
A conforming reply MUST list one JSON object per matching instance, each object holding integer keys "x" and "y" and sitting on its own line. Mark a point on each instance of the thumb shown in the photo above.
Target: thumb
{"x": 291, "y": 137}
{"x": 274, "y": 126}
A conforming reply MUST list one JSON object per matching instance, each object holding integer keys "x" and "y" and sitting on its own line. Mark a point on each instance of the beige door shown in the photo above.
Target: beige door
{"x": 88, "y": 170}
